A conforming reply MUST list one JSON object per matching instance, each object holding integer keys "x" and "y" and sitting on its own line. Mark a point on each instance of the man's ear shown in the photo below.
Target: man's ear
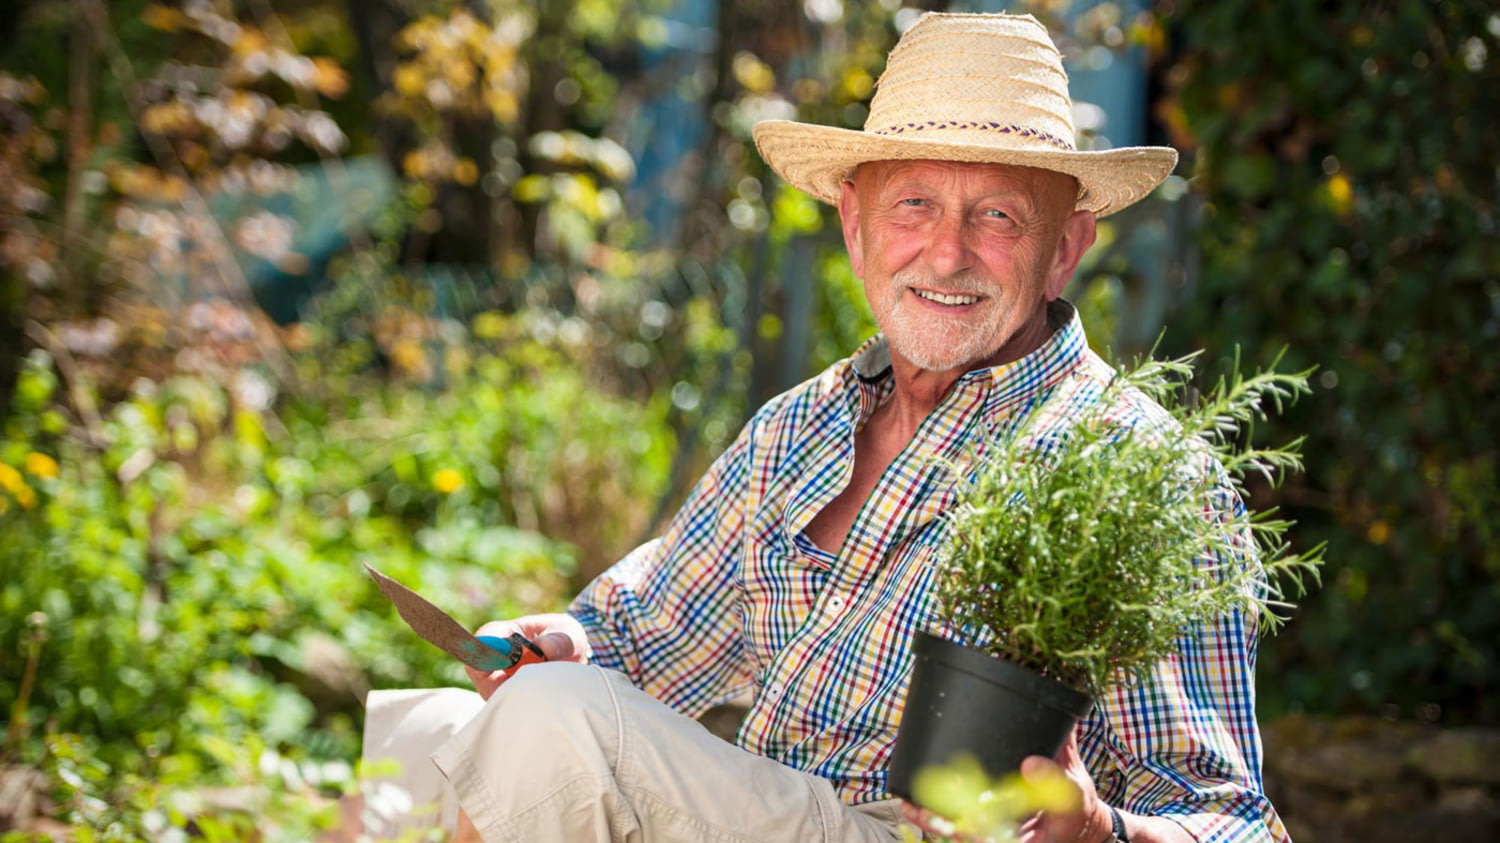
{"x": 1078, "y": 233}
{"x": 849, "y": 221}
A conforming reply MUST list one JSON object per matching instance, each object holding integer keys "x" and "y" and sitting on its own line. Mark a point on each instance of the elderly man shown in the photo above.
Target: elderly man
{"x": 800, "y": 567}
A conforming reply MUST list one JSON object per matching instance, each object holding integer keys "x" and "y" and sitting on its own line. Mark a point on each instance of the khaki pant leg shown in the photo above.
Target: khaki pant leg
{"x": 571, "y": 753}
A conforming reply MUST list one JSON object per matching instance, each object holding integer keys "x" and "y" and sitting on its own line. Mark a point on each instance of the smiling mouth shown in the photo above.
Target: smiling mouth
{"x": 944, "y": 298}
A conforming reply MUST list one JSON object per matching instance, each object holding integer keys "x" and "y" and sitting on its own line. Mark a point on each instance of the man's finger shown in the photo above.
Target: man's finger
{"x": 1039, "y": 767}
{"x": 486, "y": 682}
{"x": 926, "y": 820}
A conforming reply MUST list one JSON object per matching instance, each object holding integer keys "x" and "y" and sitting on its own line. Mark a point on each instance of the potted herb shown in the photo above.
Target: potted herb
{"x": 1077, "y": 558}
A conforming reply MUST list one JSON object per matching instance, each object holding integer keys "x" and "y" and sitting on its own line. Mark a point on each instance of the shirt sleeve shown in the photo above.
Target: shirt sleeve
{"x": 1185, "y": 744}
{"x": 668, "y": 614}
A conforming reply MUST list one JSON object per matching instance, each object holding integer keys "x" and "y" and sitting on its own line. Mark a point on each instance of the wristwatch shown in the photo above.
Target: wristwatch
{"x": 1117, "y": 827}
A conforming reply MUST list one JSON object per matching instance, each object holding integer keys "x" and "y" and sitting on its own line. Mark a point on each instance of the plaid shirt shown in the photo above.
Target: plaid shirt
{"x": 734, "y": 598}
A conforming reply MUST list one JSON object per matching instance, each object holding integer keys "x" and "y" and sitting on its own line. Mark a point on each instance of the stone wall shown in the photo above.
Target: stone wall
{"x": 1378, "y": 781}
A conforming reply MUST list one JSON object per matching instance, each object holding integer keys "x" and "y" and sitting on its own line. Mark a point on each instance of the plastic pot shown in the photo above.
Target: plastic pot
{"x": 962, "y": 701}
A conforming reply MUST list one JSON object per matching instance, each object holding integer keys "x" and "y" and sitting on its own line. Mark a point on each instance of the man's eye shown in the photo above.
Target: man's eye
{"x": 996, "y": 214}
{"x": 913, "y": 202}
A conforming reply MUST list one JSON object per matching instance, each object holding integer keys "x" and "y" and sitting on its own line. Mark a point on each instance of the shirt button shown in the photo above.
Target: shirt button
{"x": 773, "y": 692}
{"x": 836, "y": 603}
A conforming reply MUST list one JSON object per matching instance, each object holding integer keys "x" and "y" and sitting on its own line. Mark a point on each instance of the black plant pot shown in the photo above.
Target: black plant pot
{"x": 965, "y": 702}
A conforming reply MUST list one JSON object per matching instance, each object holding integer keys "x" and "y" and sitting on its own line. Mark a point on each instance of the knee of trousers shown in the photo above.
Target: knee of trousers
{"x": 401, "y": 723}
{"x": 556, "y": 709}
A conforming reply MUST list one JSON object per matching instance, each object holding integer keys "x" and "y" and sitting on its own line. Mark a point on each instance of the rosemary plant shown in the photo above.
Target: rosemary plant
{"x": 1085, "y": 555}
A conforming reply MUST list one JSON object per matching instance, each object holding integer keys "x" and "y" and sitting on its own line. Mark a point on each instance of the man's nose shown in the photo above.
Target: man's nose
{"x": 948, "y": 249}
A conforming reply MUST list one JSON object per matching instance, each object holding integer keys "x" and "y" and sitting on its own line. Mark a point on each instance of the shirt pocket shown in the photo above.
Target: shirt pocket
{"x": 780, "y": 588}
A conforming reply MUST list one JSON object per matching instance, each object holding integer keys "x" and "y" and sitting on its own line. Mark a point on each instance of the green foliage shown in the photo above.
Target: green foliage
{"x": 1346, "y": 161}
{"x": 189, "y": 558}
{"x": 272, "y": 796}
{"x": 981, "y": 808}
{"x": 1087, "y": 554}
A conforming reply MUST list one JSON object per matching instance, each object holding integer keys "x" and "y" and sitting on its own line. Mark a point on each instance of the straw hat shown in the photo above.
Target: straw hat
{"x": 963, "y": 87}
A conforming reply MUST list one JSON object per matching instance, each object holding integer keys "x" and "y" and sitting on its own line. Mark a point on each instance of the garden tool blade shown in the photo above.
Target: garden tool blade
{"x": 435, "y": 626}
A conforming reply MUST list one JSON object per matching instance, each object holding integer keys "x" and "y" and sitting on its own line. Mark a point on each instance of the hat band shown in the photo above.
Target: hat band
{"x": 1012, "y": 129}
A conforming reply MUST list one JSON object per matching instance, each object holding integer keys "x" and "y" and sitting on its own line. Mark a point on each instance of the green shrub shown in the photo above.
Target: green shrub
{"x": 1345, "y": 155}
{"x": 190, "y": 560}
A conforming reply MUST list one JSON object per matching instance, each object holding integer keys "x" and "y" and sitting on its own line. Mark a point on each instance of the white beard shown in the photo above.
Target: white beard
{"x": 935, "y": 344}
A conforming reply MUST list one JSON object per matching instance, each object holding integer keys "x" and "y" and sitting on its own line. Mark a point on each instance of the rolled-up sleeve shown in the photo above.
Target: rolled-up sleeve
{"x": 668, "y": 615}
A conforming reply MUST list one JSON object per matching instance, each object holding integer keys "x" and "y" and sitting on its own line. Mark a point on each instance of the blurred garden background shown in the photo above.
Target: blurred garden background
{"x": 473, "y": 290}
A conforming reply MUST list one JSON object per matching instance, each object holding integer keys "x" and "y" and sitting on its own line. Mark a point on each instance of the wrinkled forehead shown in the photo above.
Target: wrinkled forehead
{"x": 1046, "y": 188}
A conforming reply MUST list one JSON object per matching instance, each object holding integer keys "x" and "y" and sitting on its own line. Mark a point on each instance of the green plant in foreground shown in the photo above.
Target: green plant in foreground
{"x": 982, "y": 807}
{"x": 1086, "y": 554}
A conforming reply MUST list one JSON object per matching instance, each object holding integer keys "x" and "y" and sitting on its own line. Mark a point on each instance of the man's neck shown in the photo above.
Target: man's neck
{"x": 917, "y": 393}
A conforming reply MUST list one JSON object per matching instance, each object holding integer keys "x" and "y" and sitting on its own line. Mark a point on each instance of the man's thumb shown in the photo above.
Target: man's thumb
{"x": 556, "y": 646}
{"x": 1037, "y": 767}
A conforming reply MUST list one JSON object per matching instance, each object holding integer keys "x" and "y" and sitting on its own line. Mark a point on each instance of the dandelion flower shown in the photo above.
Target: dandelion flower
{"x": 447, "y": 481}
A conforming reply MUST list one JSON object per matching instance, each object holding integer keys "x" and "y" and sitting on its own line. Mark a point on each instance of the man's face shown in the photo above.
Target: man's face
{"x": 959, "y": 260}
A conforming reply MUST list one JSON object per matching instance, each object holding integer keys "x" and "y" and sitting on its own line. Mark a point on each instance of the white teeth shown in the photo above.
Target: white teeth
{"x": 941, "y": 298}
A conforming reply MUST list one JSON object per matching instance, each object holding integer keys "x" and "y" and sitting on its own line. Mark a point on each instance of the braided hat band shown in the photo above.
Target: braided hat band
{"x": 972, "y": 88}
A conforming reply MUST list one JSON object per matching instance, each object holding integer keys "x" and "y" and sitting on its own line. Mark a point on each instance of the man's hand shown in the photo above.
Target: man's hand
{"x": 559, "y": 636}
{"x": 1088, "y": 823}
{"x": 1091, "y": 822}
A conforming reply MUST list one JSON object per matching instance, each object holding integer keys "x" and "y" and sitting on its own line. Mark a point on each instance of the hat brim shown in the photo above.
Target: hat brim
{"x": 817, "y": 159}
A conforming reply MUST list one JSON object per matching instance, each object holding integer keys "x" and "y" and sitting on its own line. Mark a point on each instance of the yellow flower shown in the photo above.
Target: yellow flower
{"x": 40, "y": 465}
{"x": 10, "y": 479}
{"x": 410, "y": 358}
{"x": 465, "y": 171}
{"x": 414, "y": 164}
{"x": 756, "y": 76}
{"x": 858, "y": 83}
{"x": 250, "y": 41}
{"x": 329, "y": 79}
{"x": 1340, "y": 193}
{"x": 408, "y": 80}
{"x": 447, "y": 481}
{"x": 489, "y": 325}
{"x": 163, "y": 18}
{"x": 502, "y": 104}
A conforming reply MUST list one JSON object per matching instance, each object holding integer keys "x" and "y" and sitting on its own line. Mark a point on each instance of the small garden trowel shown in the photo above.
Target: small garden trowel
{"x": 484, "y": 652}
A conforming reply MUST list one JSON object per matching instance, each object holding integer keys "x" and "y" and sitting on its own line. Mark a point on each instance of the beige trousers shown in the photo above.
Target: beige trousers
{"x": 568, "y": 752}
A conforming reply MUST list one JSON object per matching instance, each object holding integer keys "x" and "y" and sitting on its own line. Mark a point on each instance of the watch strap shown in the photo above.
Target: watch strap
{"x": 1117, "y": 825}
